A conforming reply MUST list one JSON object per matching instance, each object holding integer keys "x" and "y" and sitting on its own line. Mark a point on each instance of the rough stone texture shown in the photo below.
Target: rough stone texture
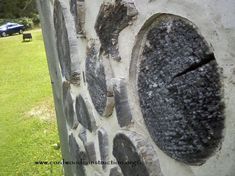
{"x": 90, "y": 150}
{"x": 77, "y": 8}
{"x": 112, "y": 19}
{"x": 115, "y": 172}
{"x": 131, "y": 147}
{"x": 97, "y": 79}
{"x": 84, "y": 114}
{"x": 83, "y": 135}
{"x": 76, "y": 156}
{"x": 68, "y": 106}
{"x": 66, "y": 43}
{"x": 103, "y": 146}
{"x": 215, "y": 20}
{"x": 121, "y": 102}
{"x": 180, "y": 90}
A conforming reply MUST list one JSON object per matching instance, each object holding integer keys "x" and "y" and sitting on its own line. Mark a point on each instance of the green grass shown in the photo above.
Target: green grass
{"x": 24, "y": 84}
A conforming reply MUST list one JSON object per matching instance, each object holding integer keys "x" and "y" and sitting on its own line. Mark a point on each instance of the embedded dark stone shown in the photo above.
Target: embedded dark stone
{"x": 112, "y": 19}
{"x": 82, "y": 135}
{"x": 180, "y": 90}
{"x": 62, "y": 40}
{"x": 84, "y": 115}
{"x": 68, "y": 106}
{"x": 66, "y": 43}
{"x": 101, "y": 97}
{"x": 115, "y": 172}
{"x": 84, "y": 78}
{"x": 121, "y": 102}
{"x": 77, "y": 8}
{"x": 103, "y": 146}
{"x": 90, "y": 150}
{"x": 135, "y": 156}
{"x": 76, "y": 156}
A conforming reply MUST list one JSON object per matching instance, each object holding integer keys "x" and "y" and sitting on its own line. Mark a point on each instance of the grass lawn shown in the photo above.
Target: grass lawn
{"x": 27, "y": 123}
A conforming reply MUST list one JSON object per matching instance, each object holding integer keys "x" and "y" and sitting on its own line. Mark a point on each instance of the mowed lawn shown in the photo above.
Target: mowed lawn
{"x": 27, "y": 123}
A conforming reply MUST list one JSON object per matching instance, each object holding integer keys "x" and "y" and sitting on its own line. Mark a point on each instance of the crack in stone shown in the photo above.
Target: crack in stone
{"x": 210, "y": 57}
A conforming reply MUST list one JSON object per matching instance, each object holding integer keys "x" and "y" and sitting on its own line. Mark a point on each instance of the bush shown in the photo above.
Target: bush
{"x": 36, "y": 20}
{"x": 27, "y": 22}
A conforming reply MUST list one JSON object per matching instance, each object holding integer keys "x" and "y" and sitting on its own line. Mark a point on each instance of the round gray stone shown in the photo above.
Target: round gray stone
{"x": 135, "y": 156}
{"x": 179, "y": 89}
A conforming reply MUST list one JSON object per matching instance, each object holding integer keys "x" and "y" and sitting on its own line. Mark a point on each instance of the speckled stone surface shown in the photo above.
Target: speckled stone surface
{"x": 180, "y": 90}
{"x": 96, "y": 78}
{"x": 135, "y": 156}
{"x": 112, "y": 19}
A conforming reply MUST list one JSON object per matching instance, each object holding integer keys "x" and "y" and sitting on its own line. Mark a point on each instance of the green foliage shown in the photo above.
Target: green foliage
{"x": 17, "y": 8}
{"x": 25, "y": 83}
{"x": 19, "y": 11}
{"x": 27, "y": 22}
{"x": 35, "y": 18}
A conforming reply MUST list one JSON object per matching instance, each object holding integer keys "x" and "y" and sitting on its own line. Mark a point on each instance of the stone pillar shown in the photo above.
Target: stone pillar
{"x": 143, "y": 88}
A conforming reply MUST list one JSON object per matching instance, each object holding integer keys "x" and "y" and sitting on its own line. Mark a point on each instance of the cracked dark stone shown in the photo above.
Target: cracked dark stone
{"x": 179, "y": 89}
{"x": 84, "y": 114}
{"x": 115, "y": 172}
{"x": 96, "y": 78}
{"x": 131, "y": 147}
{"x": 76, "y": 156}
{"x": 90, "y": 150}
{"x": 112, "y": 19}
{"x": 77, "y": 8}
{"x": 68, "y": 106}
{"x": 103, "y": 146}
{"x": 121, "y": 102}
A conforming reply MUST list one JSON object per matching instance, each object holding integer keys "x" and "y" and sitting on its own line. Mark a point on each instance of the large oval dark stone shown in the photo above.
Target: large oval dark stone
{"x": 179, "y": 89}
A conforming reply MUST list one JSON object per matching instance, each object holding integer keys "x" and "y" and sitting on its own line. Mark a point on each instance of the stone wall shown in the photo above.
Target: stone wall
{"x": 145, "y": 83}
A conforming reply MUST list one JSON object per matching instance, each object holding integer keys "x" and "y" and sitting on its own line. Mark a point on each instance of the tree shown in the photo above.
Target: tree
{"x": 17, "y": 8}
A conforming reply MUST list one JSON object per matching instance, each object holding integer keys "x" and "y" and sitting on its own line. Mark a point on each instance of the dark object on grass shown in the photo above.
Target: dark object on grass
{"x": 27, "y": 37}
